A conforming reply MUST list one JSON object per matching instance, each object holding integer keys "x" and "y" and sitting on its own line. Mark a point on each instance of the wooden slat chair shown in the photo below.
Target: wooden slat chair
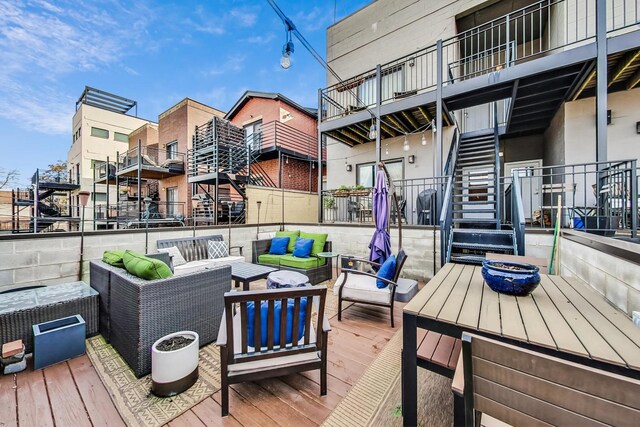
{"x": 360, "y": 286}
{"x": 524, "y": 388}
{"x": 241, "y": 362}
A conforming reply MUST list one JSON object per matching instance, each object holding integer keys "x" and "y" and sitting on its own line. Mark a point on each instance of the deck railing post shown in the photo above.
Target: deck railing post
{"x": 320, "y": 210}
{"x": 634, "y": 198}
{"x": 507, "y": 44}
{"x": 378, "y": 105}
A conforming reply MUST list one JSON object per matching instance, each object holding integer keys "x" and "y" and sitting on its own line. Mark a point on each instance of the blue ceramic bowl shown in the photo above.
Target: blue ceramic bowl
{"x": 510, "y": 278}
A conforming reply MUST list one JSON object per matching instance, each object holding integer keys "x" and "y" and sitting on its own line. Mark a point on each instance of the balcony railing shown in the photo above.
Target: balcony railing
{"x": 600, "y": 197}
{"x": 417, "y": 199}
{"x": 152, "y": 157}
{"x": 281, "y": 135}
{"x": 533, "y": 31}
{"x": 154, "y": 212}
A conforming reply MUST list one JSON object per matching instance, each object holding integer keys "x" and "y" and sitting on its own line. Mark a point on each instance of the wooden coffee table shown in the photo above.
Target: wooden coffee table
{"x": 245, "y": 273}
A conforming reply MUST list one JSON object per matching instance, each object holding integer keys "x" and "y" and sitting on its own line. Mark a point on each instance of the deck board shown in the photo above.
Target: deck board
{"x": 8, "y": 414}
{"x": 66, "y": 404}
{"x": 70, "y": 393}
{"x": 33, "y": 402}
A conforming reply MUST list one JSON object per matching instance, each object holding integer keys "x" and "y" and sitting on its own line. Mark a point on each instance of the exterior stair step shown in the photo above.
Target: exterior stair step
{"x": 475, "y": 156}
{"x": 471, "y": 203}
{"x": 475, "y": 187}
{"x": 467, "y": 259}
{"x": 473, "y": 220}
{"x": 474, "y": 211}
{"x": 483, "y": 246}
{"x": 474, "y": 195}
{"x": 474, "y": 163}
{"x": 489, "y": 149}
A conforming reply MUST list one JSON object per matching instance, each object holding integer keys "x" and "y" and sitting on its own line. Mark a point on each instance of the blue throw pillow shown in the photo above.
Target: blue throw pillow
{"x": 279, "y": 245}
{"x": 387, "y": 269}
{"x": 303, "y": 248}
{"x": 264, "y": 307}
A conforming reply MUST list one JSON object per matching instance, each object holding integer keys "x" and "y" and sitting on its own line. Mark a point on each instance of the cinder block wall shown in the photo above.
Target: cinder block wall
{"x": 55, "y": 258}
{"x": 616, "y": 278}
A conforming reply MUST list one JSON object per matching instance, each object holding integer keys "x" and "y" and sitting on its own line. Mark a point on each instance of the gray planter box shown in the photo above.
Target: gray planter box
{"x": 58, "y": 340}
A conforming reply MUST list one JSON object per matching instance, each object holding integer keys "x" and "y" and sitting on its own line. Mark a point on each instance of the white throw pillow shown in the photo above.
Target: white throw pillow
{"x": 176, "y": 257}
{"x": 218, "y": 249}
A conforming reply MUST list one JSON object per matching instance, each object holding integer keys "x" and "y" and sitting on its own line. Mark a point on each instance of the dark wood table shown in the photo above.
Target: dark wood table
{"x": 245, "y": 273}
{"x": 562, "y": 317}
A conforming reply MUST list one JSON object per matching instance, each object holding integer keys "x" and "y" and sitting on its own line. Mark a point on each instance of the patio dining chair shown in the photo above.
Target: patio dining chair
{"x": 360, "y": 286}
{"x": 255, "y": 347}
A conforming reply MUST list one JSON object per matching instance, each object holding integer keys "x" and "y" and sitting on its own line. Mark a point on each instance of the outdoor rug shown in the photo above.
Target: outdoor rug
{"x": 375, "y": 400}
{"x": 131, "y": 395}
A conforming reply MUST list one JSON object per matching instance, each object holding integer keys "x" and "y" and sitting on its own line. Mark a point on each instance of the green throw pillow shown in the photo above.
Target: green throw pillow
{"x": 145, "y": 267}
{"x": 319, "y": 239}
{"x": 292, "y": 235}
{"x": 113, "y": 258}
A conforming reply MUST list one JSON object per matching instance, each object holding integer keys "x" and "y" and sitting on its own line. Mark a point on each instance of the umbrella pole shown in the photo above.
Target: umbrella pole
{"x": 392, "y": 189}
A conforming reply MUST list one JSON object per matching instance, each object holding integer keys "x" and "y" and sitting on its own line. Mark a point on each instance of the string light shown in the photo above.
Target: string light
{"x": 405, "y": 145}
{"x": 424, "y": 139}
{"x": 372, "y": 131}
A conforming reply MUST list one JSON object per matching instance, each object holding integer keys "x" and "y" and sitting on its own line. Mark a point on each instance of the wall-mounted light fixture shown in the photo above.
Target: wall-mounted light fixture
{"x": 637, "y": 127}
{"x": 411, "y": 159}
{"x": 349, "y": 168}
{"x": 608, "y": 117}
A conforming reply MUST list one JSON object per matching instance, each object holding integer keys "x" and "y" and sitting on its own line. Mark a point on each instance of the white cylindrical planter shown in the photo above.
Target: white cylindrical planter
{"x": 173, "y": 372}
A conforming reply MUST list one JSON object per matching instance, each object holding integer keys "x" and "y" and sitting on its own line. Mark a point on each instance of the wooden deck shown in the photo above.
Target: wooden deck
{"x": 71, "y": 394}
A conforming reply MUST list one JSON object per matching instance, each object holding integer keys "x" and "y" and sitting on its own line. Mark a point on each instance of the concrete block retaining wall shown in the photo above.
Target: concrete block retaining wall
{"x": 615, "y": 276}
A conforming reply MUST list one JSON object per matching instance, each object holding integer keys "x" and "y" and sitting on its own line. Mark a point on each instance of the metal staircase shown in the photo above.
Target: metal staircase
{"x": 471, "y": 221}
{"x": 223, "y": 157}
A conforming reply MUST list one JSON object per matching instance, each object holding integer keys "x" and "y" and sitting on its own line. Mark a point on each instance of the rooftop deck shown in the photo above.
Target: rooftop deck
{"x": 71, "y": 393}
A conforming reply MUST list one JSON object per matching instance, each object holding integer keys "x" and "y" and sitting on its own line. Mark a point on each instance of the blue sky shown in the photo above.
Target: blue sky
{"x": 154, "y": 52}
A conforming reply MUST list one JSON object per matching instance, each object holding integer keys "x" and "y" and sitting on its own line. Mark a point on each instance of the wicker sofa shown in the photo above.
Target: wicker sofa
{"x": 135, "y": 312}
{"x": 320, "y": 270}
{"x": 196, "y": 252}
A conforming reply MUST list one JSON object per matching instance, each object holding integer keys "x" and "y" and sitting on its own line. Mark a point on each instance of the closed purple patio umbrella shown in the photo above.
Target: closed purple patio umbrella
{"x": 380, "y": 245}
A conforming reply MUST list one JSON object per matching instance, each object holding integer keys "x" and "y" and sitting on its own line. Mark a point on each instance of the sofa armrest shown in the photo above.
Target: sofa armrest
{"x": 259, "y": 247}
{"x": 239, "y": 248}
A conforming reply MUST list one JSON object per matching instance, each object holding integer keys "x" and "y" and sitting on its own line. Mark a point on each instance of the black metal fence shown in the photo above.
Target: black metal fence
{"x": 418, "y": 199}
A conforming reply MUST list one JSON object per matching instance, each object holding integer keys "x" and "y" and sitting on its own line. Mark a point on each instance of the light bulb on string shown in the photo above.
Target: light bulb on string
{"x": 405, "y": 145}
{"x": 424, "y": 139}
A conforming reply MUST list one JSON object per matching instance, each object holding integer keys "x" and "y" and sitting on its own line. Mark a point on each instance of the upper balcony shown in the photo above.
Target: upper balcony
{"x": 278, "y": 136}
{"x": 150, "y": 162}
{"x": 539, "y": 56}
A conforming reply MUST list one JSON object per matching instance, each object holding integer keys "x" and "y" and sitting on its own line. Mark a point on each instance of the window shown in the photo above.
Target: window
{"x": 172, "y": 198}
{"x": 100, "y": 133}
{"x": 392, "y": 82}
{"x": 366, "y": 172}
{"x": 99, "y": 197}
{"x": 253, "y": 135}
{"x": 172, "y": 150}
{"x": 122, "y": 137}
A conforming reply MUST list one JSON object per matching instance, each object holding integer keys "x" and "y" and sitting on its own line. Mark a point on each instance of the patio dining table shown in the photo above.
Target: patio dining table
{"x": 562, "y": 317}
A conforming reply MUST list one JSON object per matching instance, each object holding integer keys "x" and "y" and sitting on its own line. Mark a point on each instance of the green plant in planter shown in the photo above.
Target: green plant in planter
{"x": 329, "y": 202}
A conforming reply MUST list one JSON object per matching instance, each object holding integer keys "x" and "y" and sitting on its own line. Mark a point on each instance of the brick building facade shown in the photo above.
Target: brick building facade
{"x": 288, "y": 137}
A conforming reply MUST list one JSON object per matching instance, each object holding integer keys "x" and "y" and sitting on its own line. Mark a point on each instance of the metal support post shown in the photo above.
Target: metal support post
{"x": 601, "y": 82}
{"x": 634, "y": 198}
{"x": 378, "y": 105}
{"x": 438, "y": 154}
{"x": 139, "y": 181}
{"x": 320, "y": 210}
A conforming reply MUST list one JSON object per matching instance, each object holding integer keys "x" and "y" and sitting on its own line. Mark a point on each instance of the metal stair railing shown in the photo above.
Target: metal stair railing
{"x": 496, "y": 175}
{"x": 446, "y": 216}
{"x": 517, "y": 213}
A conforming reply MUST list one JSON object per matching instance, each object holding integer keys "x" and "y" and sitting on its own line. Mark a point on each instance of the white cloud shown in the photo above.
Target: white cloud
{"x": 314, "y": 20}
{"x": 233, "y": 63}
{"x": 218, "y": 23}
{"x": 41, "y": 42}
{"x": 260, "y": 39}
{"x": 243, "y": 16}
